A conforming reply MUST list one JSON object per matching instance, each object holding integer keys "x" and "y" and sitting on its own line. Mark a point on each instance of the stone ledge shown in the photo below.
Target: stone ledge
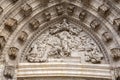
{"x": 64, "y": 69}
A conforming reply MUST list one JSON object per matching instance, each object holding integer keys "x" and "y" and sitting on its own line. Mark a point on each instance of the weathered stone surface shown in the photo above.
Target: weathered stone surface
{"x": 95, "y": 24}
{"x": 70, "y": 9}
{"x": 1, "y": 10}
{"x": 116, "y": 22}
{"x": 47, "y": 16}
{"x": 34, "y": 24}
{"x": 86, "y": 2}
{"x": 14, "y": 1}
{"x": 23, "y": 36}
{"x": 10, "y": 24}
{"x": 106, "y": 37}
{"x": 59, "y": 9}
{"x": 82, "y": 15}
{"x": 115, "y": 52}
{"x": 2, "y": 43}
{"x": 104, "y": 10}
{"x": 9, "y": 72}
{"x": 12, "y": 52}
{"x": 26, "y": 10}
{"x": 64, "y": 42}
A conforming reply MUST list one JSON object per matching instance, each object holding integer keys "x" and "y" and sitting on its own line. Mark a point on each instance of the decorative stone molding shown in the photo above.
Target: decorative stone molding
{"x": 70, "y": 9}
{"x": 26, "y": 10}
{"x": 59, "y": 9}
{"x": 1, "y": 10}
{"x": 82, "y": 15}
{"x": 104, "y": 10}
{"x": 116, "y": 22}
{"x": 115, "y": 53}
{"x": 23, "y": 36}
{"x": 9, "y": 72}
{"x": 34, "y": 24}
{"x": 47, "y": 16}
{"x": 10, "y": 24}
{"x": 106, "y": 37}
{"x": 12, "y": 52}
{"x": 2, "y": 43}
{"x": 95, "y": 24}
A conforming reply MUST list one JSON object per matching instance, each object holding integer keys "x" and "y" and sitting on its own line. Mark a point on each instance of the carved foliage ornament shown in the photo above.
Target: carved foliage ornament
{"x": 64, "y": 42}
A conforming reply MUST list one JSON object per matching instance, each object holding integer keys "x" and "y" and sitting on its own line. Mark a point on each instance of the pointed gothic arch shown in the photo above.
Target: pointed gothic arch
{"x": 22, "y": 28}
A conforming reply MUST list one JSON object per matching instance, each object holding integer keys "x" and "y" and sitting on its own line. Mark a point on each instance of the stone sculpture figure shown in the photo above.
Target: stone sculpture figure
{"x": 64, "y": 40}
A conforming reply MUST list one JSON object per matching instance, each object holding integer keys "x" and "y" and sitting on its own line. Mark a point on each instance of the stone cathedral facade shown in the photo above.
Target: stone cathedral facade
{"x": 59, "y": 39}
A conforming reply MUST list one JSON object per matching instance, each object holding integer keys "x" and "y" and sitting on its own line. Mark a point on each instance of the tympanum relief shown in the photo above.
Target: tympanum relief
{"x": 64, "y": 42}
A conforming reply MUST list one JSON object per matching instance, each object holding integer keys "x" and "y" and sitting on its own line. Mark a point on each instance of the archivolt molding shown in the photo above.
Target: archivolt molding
{"x": 92, "y": 14}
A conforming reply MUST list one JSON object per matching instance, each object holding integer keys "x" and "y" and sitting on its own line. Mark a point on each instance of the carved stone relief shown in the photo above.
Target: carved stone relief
{"x": 64, "y": 42}
{"x": 34, "y": 24}
{"x": 26, "y": 10}
{"x": 82, "y": 15}
{"x": 106, "y": 37}
{"x": 59, "y": 10}
{"x": 12, "y": 52}
{"x": 47, "y": 16}
{"x": 116, "y": 22}
{"x": 9, "y": 72}
{"x": 70, "y": 9}
{"x": 115, "y": 53}
{"x": 23, "y": 37}
{"x": 104, "y": 10}
{"x": 14, "y": 1}
{"x": 95, "y": 24}
{"x": 11, "y": 24}
{"x": 2, "y": 43}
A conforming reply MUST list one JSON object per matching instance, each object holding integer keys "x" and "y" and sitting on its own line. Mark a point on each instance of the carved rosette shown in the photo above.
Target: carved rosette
{"x": 64, "y": 42}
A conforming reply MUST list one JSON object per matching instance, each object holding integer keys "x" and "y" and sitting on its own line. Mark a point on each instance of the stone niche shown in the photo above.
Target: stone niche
{"x": 64, "y": 42}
